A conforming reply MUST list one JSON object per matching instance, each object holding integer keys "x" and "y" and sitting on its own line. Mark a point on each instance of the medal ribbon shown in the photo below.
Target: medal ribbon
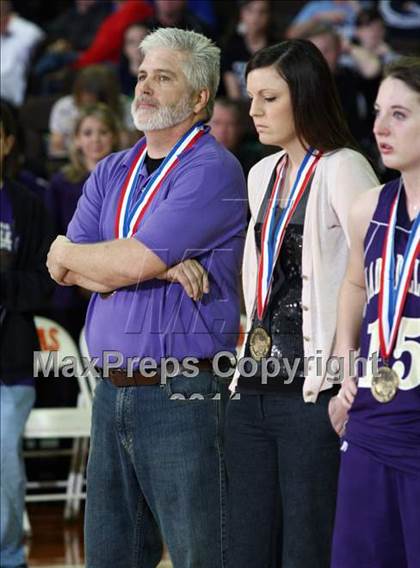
{"x": 130, "y": 212}
{"x": 393, "y": 288}
{"x": 272, "y": 235}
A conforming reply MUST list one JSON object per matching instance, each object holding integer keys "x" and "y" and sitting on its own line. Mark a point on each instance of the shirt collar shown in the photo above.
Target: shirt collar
{"x": 132, "y": 152}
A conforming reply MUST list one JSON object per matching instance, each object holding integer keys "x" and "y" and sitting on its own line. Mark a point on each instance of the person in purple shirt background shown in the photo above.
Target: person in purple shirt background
{"x": 378, "y": 415}
{"x": 96, "y": 135}
{"x": 148, "y": 220}
{"x": 25, "y": 236}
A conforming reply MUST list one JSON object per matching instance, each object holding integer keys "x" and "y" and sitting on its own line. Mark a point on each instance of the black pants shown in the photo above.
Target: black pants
{"x": 282, "y": 459}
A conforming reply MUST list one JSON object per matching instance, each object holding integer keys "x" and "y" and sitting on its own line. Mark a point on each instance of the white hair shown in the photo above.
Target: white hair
{"x": 202, "y": 62}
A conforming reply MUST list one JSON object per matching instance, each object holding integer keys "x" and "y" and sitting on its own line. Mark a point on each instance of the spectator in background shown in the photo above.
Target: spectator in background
{"x": 339, "y": 13}
{"x": 354, "y": 89}
{"x": 175, "y": 14}
{"x": 370, "y": 40}
{"x": 96, "y": 135}
{"x": 25, "y": 237}
{"x": 336, "y": 48}
{"x": 108, "y": 41}
{"x": 94, "y": 84}
{"x": 71, "y": 33}
{"x": 228, "y": 126}
{"x": 130, "y": 58}
{"x": 78, "y": 25}
{"x": 370, "y": 34}
{"x": 252, "y": 33}
{"x": 205, "y": 10}
{"x": 18, "y": 39}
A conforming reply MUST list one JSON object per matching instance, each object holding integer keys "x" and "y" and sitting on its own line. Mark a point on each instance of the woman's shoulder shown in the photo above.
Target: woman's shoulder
{"x": 346, "y": 167}
{"x": 343, "y": 175}
{"x": 368, "y": 199}
{"x": 363, "y": 208}
{"x": 343, "y": 155}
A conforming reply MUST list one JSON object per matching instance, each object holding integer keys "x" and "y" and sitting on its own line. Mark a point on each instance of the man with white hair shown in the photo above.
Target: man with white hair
{"x": 146, "y": 217}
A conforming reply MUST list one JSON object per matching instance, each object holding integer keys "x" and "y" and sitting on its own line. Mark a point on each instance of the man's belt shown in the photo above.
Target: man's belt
{"x": 120, "y": 378}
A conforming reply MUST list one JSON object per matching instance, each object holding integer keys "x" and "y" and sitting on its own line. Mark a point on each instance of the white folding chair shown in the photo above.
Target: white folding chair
{"x": 61, "y": 423}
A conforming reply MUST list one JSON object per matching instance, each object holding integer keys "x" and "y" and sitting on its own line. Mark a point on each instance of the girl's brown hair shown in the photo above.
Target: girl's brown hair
{"x": 406, "y": 69}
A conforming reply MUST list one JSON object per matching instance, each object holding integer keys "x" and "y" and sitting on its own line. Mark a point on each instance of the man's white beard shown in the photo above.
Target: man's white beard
{"x": 163, "y": 116}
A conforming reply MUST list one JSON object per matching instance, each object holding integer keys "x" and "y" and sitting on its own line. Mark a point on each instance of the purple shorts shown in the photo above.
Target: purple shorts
{"x": 377, "y": 521}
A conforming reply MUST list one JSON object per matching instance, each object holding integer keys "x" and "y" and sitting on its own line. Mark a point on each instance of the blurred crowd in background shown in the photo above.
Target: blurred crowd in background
{"x": 68, "y": 71}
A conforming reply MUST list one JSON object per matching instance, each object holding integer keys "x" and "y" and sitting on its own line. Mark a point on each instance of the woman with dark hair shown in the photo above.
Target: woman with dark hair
{"x": 282, "y": 454}
{"x": 378, "y": 513}
{"x": 25, "y": 236}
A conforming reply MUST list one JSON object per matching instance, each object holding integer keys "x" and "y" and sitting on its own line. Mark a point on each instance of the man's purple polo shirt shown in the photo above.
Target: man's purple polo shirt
{"x": 199, "y": 212}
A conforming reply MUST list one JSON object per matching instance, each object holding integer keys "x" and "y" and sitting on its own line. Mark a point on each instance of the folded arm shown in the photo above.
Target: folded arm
{"x": 105, "y": 266}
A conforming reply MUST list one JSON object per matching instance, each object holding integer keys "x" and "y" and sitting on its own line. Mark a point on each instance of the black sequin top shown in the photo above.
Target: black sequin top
{"x": 283, "y": 319}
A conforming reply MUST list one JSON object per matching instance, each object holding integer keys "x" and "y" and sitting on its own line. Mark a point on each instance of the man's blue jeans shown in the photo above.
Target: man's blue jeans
{"x": 15, "y": 404}
{"x": 156, "y": 468}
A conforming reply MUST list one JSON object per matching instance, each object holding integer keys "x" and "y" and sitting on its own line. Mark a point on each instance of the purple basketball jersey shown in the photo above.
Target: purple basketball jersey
{"x": 389, "y": 431}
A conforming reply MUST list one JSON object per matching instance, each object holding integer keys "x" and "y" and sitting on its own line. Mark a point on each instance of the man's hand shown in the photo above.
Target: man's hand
{"x": 340, "y": 405}
{"x": 192, "y": 277}
{"x": 54, "y": 260}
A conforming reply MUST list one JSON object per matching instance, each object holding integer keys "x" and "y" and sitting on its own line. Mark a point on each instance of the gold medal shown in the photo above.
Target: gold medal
{"x": 259, "y": 343}
{"x": 385, "y": 384}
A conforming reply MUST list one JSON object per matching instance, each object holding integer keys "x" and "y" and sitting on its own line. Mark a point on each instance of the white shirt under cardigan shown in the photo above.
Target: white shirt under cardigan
{"x": 340, "y": 177}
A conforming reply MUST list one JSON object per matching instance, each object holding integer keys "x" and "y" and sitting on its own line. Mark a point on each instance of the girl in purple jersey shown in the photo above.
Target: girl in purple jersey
{"x": 378, "y": 415}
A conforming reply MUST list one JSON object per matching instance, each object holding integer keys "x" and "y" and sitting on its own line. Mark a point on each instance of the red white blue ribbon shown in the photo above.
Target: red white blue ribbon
{"x": 272, "y": 234}
{"x": 394, "y": 287}
{"x": 130, "y": 212}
